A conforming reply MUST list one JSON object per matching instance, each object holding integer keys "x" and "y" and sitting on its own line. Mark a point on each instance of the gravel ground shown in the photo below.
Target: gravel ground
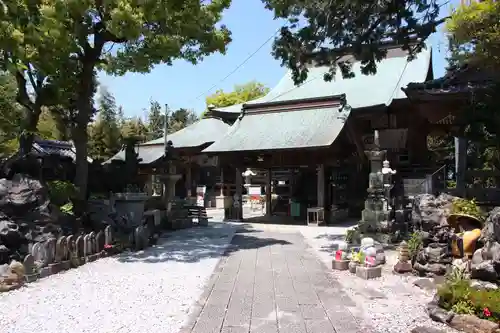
{"x": 149, "y": 291}
{"x": 390, "y": 304}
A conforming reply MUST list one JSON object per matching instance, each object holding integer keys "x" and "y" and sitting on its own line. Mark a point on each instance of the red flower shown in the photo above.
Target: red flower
{"x": 486, "y": 312}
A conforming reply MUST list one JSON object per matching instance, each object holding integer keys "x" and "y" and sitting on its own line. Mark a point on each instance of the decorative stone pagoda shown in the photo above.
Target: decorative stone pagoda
{"x": 375, "y": 221}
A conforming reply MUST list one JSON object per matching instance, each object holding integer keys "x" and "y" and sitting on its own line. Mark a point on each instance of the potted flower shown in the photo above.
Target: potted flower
{"x": 357, "y": 258}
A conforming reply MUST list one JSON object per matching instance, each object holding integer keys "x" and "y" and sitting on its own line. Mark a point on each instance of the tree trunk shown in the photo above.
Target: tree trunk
{"x": 81, "y": 179}
{"x": 80, "y": 136}
{"x": 30, "y": 127}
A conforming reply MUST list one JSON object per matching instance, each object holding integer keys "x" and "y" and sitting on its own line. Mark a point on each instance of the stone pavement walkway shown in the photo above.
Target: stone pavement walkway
{"x": 271, "y": 282}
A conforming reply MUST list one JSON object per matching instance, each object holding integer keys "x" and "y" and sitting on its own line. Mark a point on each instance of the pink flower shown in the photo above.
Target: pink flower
{"x": 108, "y": 246}
{"x": 486, "y": 312}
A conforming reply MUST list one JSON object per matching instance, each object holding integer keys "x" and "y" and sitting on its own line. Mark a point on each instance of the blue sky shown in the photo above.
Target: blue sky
{"x": 180, "y": 85}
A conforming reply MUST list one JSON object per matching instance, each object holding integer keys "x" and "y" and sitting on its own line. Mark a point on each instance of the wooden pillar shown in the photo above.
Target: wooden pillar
{"x": 221, "y": 181}
{"x": 239, "y": 194}
{"x": 268, "y": 193}
{"x": 189, "y": 181}
{"x": 460, "y": 164}
{"x": 321, "y": 186}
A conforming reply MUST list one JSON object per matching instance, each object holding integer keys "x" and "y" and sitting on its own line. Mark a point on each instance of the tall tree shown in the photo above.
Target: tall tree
{"x": 474, "y": 33}
{"x": 156, "y": 120}
{"x": 326, "y": 30}
{"x": 180, "y": 119}
{"x": 148, "y": 33}
{"x": 83, "y": 33}
{"x": 240, "y": 94}
{"x": 27, "y": 52}
{"x": 134, "y": 128}
{"x": 105, "y": 133}
{"x": 10, "y": 115}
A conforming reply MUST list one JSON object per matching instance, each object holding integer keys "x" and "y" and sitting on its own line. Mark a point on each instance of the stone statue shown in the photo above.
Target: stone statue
{"x": 248, "y": 176}
{"x": 403, "y": 266}
{"x": 467, "y": 221}
{"x": 468, "y": 231}
{"x": 386, "y": 168}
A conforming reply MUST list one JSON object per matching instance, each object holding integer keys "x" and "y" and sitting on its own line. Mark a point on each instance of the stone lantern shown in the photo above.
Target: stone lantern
{"x": 247, "y": 175}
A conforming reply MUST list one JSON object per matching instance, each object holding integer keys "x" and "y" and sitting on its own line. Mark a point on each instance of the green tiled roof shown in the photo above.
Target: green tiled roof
{"x": 201, "y": 132}
{"x": 282, "y": 130}
{"x": 393, "y": 73}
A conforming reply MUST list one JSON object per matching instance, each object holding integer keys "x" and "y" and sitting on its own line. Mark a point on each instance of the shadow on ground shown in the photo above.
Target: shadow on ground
{"x": 196, "y": 244}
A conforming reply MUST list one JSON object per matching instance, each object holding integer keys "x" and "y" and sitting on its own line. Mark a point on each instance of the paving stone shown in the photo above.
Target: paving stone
{"x": 263, "y": 326}
{"x": 235, "y": 329}
{"x": 289, "y": 324}
{"x": 313, "y": 311}
{"x": 207, "y": 325}
{"x": 263, "y": 309}
{"x": 319, "y": 326}
{"x": 269, "y": 288}
{"x": 287, "y": 304}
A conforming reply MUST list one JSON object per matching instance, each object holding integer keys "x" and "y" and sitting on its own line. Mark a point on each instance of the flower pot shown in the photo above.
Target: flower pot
{"x": 352, "y": 266}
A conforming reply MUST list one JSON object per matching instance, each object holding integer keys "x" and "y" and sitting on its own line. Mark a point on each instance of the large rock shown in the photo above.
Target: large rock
{"x": 491, "y": 230}
{"x": 430, "y": 211}
{"x": 26, "y": 216}
{"x": 22, "y": 194}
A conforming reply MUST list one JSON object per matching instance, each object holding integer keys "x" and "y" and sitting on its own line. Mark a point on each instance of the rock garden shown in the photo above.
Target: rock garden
{"x": 39, "y": 236}
{"x": 453, "y": 248}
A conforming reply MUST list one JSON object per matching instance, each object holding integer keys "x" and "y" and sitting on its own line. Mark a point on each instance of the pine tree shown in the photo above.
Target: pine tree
{"x": 156, "y": 121}
{"x": 105, "y": 132}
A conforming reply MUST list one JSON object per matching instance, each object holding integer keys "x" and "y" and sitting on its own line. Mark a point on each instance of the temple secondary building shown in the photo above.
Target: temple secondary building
{"x": 316, "y": 135}
{"x": 307, "y": 145}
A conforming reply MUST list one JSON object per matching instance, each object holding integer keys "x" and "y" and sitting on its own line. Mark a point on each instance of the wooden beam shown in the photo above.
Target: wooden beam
{"x": 355, "y": 137}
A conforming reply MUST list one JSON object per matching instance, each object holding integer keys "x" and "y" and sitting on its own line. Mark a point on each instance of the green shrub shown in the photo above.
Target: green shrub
{"x": 67, "y": 208}
{"x": 460, "y": 297}
{"x": 61, "y": 192}
{"x": 415, "y": 244}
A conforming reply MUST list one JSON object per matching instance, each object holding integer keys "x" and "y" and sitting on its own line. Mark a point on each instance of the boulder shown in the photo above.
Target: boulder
{"x": 26, "y": 216}
{"x": 430, "y": 211}
{"x": 491, "y": 230}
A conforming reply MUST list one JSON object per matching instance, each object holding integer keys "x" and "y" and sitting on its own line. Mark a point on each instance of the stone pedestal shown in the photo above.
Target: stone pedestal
{"x": 169, "y": 181}
{"x": 222, "y": 202}
{"x": 375, "y": 213}
{"x": 130, "y": 205}
{"x": 368, "y": 273}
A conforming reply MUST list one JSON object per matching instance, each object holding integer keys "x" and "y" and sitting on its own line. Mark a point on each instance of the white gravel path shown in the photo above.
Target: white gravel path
{"x": 149, "y": 291}
{"x": 390, "y": 304}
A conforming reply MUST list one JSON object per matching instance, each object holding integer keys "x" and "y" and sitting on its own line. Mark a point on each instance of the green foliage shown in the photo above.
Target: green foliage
{"x": 352, "y": 235}
{"x": 475, "y": 34}
{"x": 358, "y": 257}
{"x": 457, "y": 275}
{"x": 104, "y": 133}
{"x": 240, "y": 94}
{"x": 415, "y": 244}
{"x": 156, "y": 121}
{"x": 324, "y": 31}
{"x": 61, "y": 192}
{"x": 10, "y": 115}
{"x": 67, "y": 41}
{"x": 463, "y": 307}
{"x": 181, "y": 118}
{"x": 465, "y": 206}
{"x": 461, "y": 297}
{"x": 67, "y": 208}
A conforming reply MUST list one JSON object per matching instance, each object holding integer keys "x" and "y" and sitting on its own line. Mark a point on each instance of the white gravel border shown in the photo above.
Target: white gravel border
{"x": 149, "y": 291}
{"x": 390, "y": 304}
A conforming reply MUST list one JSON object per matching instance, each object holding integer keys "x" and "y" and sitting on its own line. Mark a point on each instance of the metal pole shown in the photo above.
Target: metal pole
{"x": 165, "y": 133}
